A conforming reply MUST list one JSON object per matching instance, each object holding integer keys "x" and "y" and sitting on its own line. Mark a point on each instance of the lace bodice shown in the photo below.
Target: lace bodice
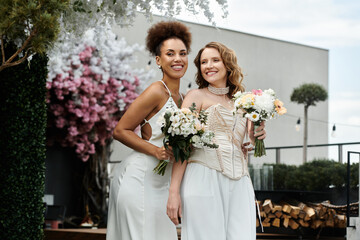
{"x": 229, "y": 132}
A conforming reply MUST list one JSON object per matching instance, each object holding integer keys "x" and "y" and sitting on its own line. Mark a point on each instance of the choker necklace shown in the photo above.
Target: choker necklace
{"x": 218, "y": 91}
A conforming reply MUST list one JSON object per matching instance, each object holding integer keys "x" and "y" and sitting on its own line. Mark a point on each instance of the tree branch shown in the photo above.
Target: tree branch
{"x": 22, "y": 47}
{"x": 2, "y": 49}
{"x": 6, "y": 65}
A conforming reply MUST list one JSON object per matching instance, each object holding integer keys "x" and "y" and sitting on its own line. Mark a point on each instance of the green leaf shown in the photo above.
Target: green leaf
{"x": 193, "y": 107}
{"x": 176, "y": 152}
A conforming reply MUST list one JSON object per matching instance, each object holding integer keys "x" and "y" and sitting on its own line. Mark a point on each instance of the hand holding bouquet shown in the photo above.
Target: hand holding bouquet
{"x": 183, "y": 129}
{"x": 259, "y": 106}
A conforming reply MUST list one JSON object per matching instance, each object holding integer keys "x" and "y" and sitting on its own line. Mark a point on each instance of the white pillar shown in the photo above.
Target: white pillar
{"x": 353, "y": 232}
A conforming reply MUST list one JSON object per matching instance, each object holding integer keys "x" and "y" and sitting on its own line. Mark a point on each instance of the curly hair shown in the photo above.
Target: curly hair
{"x": 162, "y": 31}
{"x": 234, "y": 73}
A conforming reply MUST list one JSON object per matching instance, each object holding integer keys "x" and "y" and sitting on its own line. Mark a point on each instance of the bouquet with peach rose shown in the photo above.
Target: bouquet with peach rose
{"x": 259, "y": 106}
{"x": 184, "y": 129}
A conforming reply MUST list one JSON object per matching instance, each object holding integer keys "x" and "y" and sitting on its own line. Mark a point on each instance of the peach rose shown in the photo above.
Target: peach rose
{"x": 279, "y": 107}
{"x": 248, "y": 98}
{"x": 185, "y": 110}
{"x": 199, "y": 126}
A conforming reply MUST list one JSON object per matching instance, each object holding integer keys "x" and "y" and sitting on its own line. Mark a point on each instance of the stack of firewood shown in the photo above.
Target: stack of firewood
{"x": 300, "y": 214}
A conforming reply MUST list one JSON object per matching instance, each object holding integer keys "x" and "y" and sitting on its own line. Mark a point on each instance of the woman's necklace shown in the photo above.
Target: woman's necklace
{"x": 218, "y": 91}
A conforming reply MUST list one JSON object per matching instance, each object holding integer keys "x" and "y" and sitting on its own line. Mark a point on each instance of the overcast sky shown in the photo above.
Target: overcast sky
{"x": 329, "y": 24}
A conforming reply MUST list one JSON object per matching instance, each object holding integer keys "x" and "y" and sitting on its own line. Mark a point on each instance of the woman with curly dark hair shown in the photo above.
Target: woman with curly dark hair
{"x": 218, "y": 200}
{"x": 137, "y": 201}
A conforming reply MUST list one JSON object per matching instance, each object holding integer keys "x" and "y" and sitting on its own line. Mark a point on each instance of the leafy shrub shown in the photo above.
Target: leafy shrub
{"x": 318, "y": 175}
{"x": 22, "y": 149}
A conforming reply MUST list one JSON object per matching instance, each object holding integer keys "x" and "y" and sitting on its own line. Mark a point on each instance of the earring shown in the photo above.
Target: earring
{"x": 159, "y": 66}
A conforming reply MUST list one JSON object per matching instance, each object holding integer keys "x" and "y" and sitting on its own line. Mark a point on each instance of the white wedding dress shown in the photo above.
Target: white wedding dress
{"x": 138, "y": 196}
{"x": 217, "y": 194}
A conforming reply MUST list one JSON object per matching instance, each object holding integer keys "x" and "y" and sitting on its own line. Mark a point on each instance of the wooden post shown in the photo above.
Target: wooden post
{"x": 277, "y": 155}
{"x": 305, "y": 133}
{"x": 340, "y": 152}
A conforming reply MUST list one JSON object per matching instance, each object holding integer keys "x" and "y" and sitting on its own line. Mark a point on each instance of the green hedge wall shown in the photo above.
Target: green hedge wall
{"x": 22, "y": 149}
{"x": 317, "y": 175}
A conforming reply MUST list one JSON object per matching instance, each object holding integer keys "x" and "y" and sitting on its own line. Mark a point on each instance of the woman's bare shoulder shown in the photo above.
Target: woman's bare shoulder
{"x": 155, "y": 91}
{"x": 195, "y": 93}
{"x": 194, "y": 96}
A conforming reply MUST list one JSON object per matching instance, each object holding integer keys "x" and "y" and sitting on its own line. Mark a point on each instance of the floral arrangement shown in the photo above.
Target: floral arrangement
{"x": 89, "y": 88}
{"x": 183, "y": 129}
{"x": 258, "y": 106}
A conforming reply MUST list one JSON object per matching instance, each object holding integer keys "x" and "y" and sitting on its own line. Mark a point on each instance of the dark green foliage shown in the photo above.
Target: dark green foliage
{"x": 308, "y": 94}
{"x": 34, "y": 16}
{"x": 282, "y": 174}
{"x": 32, "y": 25}
{"x": 22, "y": 149}
{"x": 318, "y": 175}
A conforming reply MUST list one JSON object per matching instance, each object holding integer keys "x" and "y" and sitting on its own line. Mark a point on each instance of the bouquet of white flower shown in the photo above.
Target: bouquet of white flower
{"x": 184, "y": 129}
{"x": 259, "y": 106}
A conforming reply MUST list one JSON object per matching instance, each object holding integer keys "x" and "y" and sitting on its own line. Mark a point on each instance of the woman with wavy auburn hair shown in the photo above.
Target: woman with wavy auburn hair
{"x": 217, "y": 197}
{"x": 234, "y": 73}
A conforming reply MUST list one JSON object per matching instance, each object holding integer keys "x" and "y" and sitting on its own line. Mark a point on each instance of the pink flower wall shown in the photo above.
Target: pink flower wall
{"x": 86, "y": 102}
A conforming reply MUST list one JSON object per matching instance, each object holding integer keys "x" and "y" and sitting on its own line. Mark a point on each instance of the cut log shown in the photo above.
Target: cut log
{"x": 278, "y": 214}
{"x": 340, "y": 221}
{"x": 294, "y": 212}
{"x": 286, "y": 208}
{"x": 302, "y": 214}
{"x": 310, "y": 212}
{"x": 331, "y": 212}
{"x": 286, "y": 222}
{"x": 316, "y": 224}
{"x": 276, "y": 222}
{"x": 294, "y": 225}
{"x": 267, "y": 206}
{"x": 301, "y": 205}
{"x": 322, "y": 212}
{"x": 267, "y": 224}
{"x": 266, "y": 220}
{"x": 307, "y": 218}
{"x": 330, "y": 222}
{"x": 303, "y": 223}
{"x": 276, "y": 208}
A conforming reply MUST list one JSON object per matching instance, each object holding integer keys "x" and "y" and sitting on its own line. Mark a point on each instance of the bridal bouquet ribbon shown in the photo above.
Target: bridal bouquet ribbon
{"x": 259, "y": 106}
{"x": 184, "y": 129}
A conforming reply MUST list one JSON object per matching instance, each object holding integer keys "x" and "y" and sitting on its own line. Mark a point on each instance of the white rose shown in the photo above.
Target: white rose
{"x": 196, "y": 141}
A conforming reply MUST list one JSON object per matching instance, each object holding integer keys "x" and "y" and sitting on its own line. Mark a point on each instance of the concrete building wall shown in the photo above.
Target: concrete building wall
{"x": 266, "y": 63}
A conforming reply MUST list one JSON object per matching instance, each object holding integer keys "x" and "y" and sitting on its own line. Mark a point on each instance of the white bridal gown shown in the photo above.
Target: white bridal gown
{"x": 138, "y": 196}
{"x": 218, "y": 196}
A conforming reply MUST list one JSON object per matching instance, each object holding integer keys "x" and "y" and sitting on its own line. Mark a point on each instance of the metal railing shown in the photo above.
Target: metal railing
{"x": 340, "y": 149}
{"x": 348, "y": 187}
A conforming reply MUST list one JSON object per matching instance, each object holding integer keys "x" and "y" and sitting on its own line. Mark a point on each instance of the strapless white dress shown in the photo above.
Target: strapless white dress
{"x": 217, "y": 194}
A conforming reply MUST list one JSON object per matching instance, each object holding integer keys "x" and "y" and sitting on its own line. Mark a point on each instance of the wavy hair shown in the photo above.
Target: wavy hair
{"x": 234, "y": 73}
